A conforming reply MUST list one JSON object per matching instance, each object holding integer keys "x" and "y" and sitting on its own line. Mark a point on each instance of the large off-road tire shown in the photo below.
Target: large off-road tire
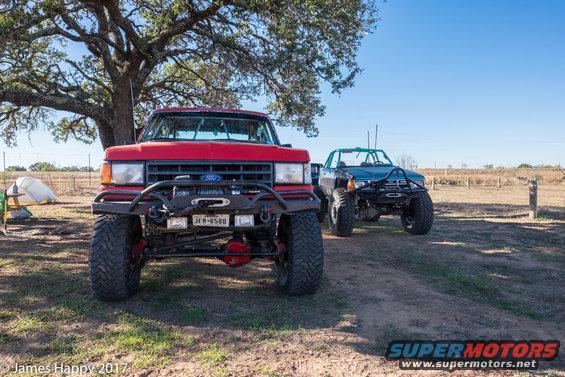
{"x": 114, "y": 270}
{"x": 300, "y": 269}
{"x": 341, "y": 213}
{"x": 418, "y": 216}
{"x": 323, "y": 204}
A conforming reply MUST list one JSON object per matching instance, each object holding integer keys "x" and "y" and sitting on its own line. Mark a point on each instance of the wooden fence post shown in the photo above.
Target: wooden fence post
{"x": 433, "y": 183}
{"x": 533, "y": 189}
{"x": 74, "y": 184}
{"x": 468, "y": 183}
{"x": 498, "y": 182}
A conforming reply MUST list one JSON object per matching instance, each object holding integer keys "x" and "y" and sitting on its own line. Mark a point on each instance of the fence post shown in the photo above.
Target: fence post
{"x": 533, "y": 189}
{"x": 468, "y": 183}
{"x": 89, "y": 173}
{"x": 74, "y": 184}
{"x": 433, "y": 183}
{"x": 498, "y": 182}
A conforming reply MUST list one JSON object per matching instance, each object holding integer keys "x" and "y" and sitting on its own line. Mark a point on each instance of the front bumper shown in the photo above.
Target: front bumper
{"x": 263, "y": 200}
{"x": 379, "y": 193}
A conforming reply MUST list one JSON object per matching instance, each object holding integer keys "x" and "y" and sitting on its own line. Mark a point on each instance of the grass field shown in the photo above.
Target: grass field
{"x": 485, "y": 271}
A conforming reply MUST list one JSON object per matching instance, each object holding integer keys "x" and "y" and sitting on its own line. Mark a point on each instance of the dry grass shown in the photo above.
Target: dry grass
{"x": 489, "y": 177}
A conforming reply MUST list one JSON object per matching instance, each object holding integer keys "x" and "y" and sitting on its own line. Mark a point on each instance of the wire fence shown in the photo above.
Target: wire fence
{"x": 62, "y": 172}
{"x": 72, "y": 172}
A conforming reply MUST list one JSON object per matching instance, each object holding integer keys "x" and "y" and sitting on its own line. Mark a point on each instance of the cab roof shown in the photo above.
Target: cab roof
{"x": 209, "y": 109}
{"x": 357, "y": 149}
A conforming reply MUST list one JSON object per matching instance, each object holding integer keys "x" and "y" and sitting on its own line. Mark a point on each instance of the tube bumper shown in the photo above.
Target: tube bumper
{"x": 379, "y": 193}
{"x": 261, "y": 200}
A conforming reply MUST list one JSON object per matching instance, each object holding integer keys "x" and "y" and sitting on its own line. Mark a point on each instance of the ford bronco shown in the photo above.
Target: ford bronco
{"x": 364, "y": 183}
{"x": 205, "y": 183}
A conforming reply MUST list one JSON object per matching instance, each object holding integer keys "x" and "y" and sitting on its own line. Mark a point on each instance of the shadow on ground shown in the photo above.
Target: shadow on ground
{"x": 480, "y": 273}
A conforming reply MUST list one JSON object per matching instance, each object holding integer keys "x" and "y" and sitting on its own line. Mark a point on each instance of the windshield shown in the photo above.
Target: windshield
{"x": 367, "y": 157}
{"x": 197, "y": 127}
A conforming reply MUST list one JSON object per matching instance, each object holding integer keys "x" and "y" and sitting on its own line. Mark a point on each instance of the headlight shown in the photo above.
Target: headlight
{"x": 127, "y": 173}
{"x": 289, "y": 173}
{"x": 359, "y": 184}
{"x": 307, "y": 174}
{"x": 420, "y": 182}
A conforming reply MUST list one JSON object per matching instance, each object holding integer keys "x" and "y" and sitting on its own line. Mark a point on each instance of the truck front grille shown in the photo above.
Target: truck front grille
{"x": 229, "y": 171}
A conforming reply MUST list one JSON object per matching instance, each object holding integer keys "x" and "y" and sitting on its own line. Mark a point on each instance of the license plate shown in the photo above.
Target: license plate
{"x": 221, "y": 221}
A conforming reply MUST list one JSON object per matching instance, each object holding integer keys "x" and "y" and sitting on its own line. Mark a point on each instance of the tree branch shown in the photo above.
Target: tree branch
{"x": 58, "y": 102}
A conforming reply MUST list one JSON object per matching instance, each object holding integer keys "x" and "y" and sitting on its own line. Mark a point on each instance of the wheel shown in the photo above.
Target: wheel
{"x": 114, "y": 268}
{"x": 299, "y": 270}
{"x": 418, "y": 216}
{"x": 341, "y": 213}
{"x": 323, "y": 204}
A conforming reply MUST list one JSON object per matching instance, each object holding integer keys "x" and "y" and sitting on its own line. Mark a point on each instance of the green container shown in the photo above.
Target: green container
{"x": 2, "y": 204}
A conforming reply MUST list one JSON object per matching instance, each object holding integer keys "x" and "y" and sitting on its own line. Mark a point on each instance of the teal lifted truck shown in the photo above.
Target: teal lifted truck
{"x": 361, "y": 183}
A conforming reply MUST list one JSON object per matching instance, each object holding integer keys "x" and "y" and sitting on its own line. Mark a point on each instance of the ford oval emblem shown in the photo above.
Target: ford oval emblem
{"x": 210, "y": 178}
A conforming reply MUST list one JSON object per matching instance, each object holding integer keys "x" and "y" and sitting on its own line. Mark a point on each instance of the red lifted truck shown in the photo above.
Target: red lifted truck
{"x": 205, "y": 183}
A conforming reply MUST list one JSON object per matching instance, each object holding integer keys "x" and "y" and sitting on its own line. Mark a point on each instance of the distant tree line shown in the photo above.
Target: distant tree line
{"x": 47, "y": 166}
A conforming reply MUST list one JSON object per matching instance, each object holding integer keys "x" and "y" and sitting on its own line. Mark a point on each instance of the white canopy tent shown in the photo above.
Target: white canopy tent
{"x": 34, "y": 191}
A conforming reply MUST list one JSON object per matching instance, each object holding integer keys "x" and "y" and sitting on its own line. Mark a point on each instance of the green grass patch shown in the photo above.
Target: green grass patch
{"x": 455, "y": 281}
{"x": 519, "y": 310}
{"x": 151, "y": 342}
{"x": 194, "y": 315}
{"x": 212, "y": 355}
{"x": 64, "y": 345}
{"x": 6, "y": 338}
{"x": 7, "y": 314}
{"x": 26, "y": 325}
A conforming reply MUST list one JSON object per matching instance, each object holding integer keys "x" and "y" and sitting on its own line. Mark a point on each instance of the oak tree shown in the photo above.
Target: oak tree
{"x": 93, "y": 59}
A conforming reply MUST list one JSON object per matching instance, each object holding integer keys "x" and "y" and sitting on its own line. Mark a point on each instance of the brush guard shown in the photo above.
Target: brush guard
{"x": 380, "y": 193}
{"x": 264, "y": 200}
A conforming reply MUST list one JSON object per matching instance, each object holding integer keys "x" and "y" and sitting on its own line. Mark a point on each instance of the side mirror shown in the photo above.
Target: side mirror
{"x": 287, "y": 145}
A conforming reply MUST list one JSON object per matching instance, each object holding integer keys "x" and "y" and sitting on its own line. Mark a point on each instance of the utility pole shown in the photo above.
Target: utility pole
{"x": 376, "y": 134}
{"x": 368, "y": 140}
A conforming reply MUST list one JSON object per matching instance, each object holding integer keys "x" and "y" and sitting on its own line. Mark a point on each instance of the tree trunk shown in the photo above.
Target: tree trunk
{"x": 122, "y": 121}
{"x": 106, "y": 134}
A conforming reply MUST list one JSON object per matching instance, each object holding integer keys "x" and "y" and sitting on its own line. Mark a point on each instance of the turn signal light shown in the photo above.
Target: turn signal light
{"x": 105, "y": 174}
{"x": 351, "y": 185}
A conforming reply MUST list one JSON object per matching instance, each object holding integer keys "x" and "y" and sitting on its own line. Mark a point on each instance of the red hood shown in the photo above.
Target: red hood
{"x": 209, "y": 150}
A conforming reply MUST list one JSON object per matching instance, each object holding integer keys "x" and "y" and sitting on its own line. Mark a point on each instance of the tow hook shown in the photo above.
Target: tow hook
{"x": 159, "y": 215}
{"x": 265, "y": 214}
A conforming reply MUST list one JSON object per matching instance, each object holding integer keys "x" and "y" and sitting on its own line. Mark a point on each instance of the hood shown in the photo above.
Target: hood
{"x": 209, "y": 150}
{"x": 374, "y": 173}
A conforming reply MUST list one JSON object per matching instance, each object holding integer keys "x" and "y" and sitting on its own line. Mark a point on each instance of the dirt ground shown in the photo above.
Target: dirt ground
{"x": 485, "y": 271}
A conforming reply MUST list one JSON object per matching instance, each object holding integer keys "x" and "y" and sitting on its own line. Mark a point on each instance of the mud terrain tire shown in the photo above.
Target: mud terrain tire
{"x": 114, "y": 275}
{"x": 301, "y": 270}
{"x": 341, "y": 213}
{"x": 418, "y": 217}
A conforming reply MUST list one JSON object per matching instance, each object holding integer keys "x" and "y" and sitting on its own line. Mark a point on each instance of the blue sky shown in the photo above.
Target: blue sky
{"x": 448, "y": 82}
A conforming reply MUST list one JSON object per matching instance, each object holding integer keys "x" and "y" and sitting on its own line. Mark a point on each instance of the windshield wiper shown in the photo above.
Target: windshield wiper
{"x": 166, "y": 139}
